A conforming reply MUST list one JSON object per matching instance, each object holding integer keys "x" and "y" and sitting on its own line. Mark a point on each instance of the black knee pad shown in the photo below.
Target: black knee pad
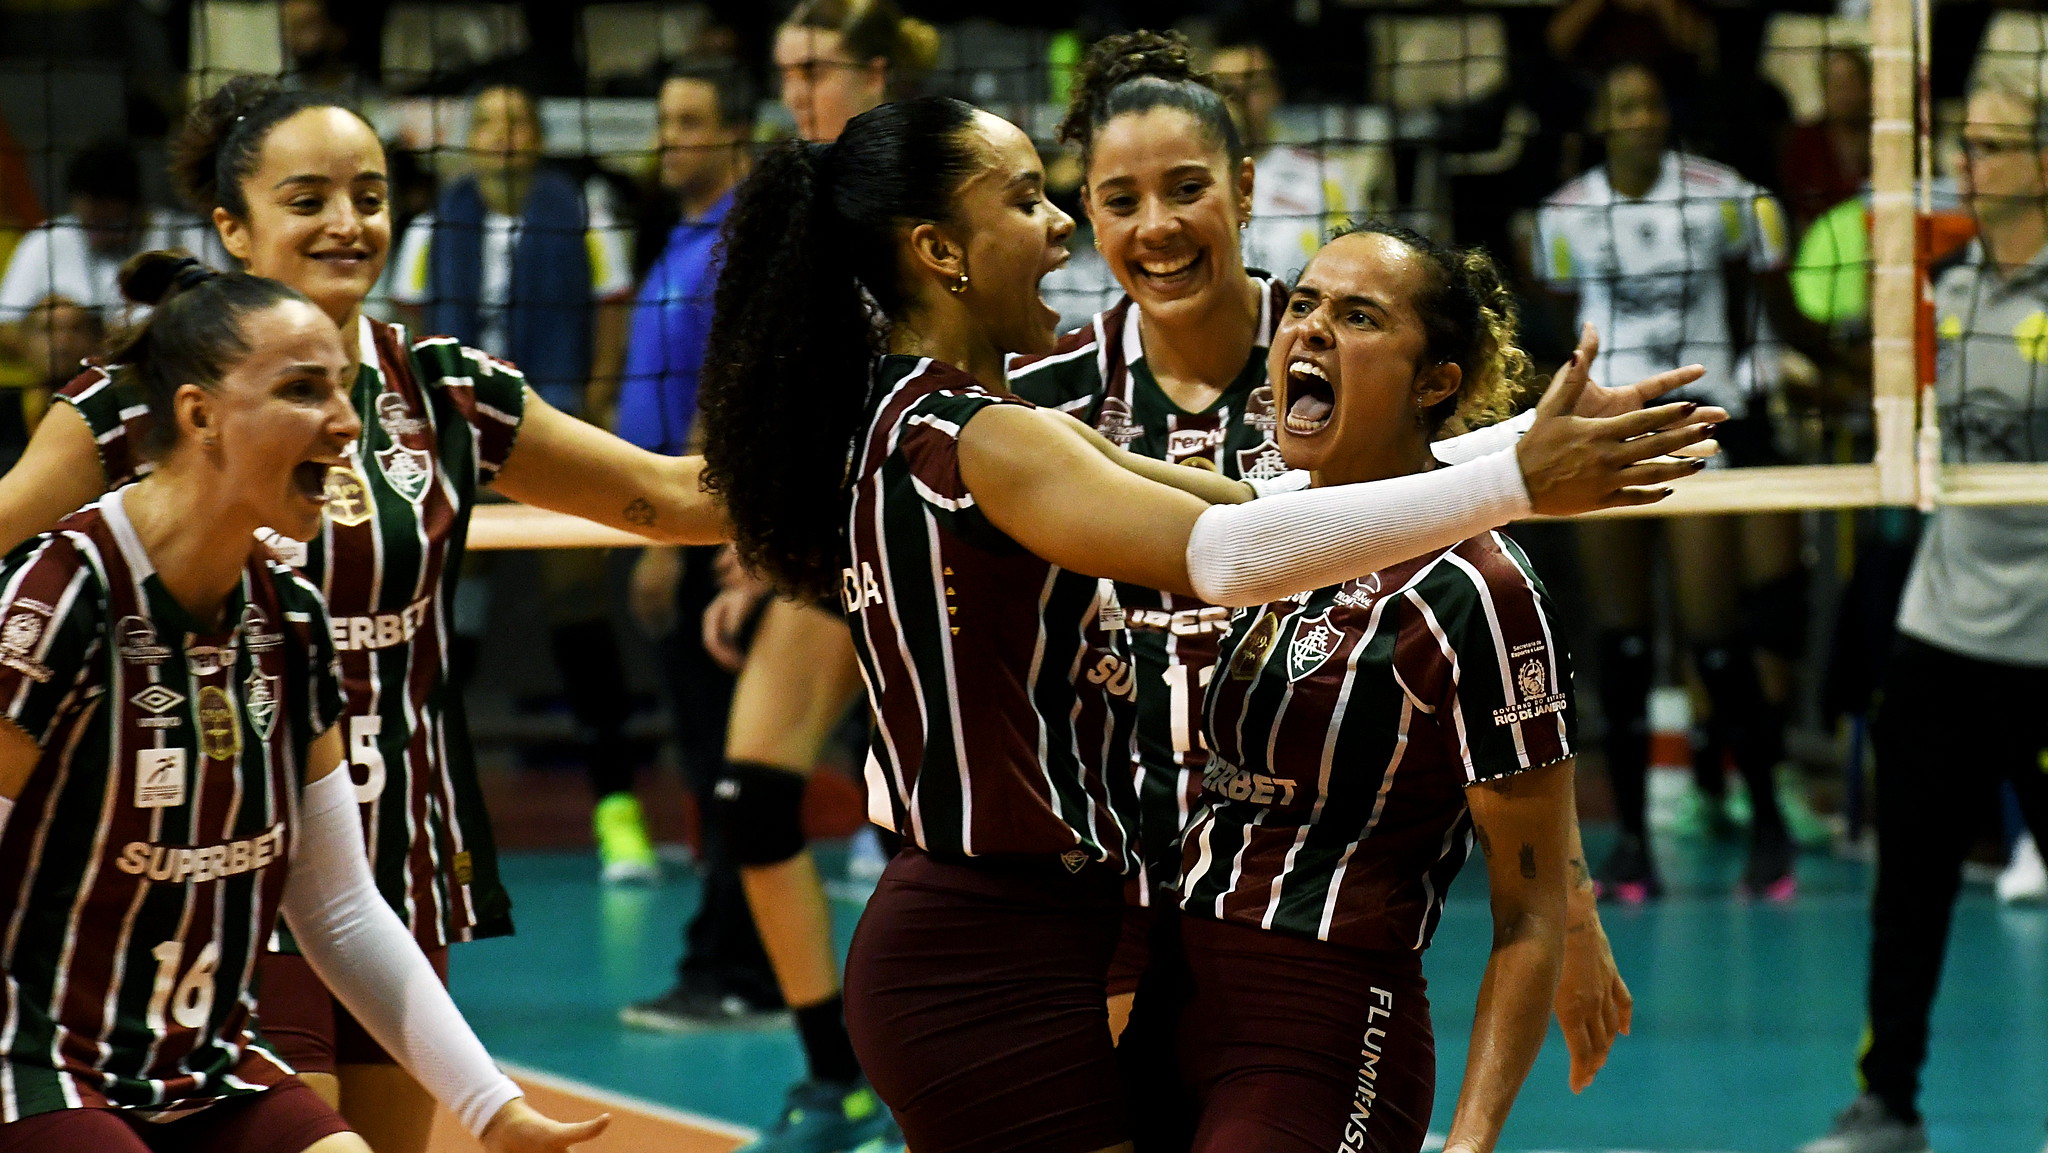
{"x": 760, "y": 813}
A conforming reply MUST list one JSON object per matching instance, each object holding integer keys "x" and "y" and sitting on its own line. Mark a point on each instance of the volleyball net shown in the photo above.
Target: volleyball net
{"x": 1765, "y": 192}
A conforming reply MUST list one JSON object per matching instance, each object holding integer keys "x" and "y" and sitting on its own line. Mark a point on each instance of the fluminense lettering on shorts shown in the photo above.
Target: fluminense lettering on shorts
{"x": 380, "y": 630}
{"x": 1366, "y": 1093}
{"x": 203, "y": 863}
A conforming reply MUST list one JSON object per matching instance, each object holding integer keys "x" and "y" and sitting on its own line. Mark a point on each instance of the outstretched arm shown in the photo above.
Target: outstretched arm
{"x": 1523, "y": 823}
{"x": 1043, "y": 483}
{"x": 59, "y": 472}
{"x": 359, "y": 949}
{"x": 564, "y": 464}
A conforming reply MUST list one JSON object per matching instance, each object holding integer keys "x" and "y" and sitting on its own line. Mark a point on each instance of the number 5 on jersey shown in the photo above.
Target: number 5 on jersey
{"x": 363, "y": 751}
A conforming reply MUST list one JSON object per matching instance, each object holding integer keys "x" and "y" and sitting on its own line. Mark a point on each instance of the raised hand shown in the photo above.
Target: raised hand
{"x": 1574, "y": 463}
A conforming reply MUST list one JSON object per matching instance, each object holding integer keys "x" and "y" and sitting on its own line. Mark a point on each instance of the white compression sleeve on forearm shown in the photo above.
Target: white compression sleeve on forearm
{"x": 1293, "y": 480}
{"x": 1248, "y": 554}
{"x": 1484, "y": 441}
{"x": 363, "y": 954}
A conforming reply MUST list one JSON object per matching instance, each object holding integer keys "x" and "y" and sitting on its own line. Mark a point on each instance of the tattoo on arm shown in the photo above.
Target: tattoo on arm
{"x": 1581, "y": 879}
{"x": 639, "y": 512}
{"x": 1485, "y": 846}
{"x": 1528, "y": 862}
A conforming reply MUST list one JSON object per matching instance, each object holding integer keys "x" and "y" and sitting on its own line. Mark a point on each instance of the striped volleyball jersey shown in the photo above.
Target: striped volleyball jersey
{"x": 144, "y": 863}
{"x": 438, "y": 420}
{"x": 1002, "y": 704}
{"x": 1098, "y": 374}
{"x": 1347, "y": 723}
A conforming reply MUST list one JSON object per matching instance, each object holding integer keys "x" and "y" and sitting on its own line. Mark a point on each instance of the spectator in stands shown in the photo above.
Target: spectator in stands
{"x": 1300, "y": 192}
{"x": 1827, "y": 161}
{"x": 77, "y": 256}
{"x": 1972, "y": 655}
{"x": 1648, "y": 247}
{"x": 518, "y": 260}
{"x": 839, "y": 58}
{"x": 707, "y": 107}
{"x": 1673, "y": 38}
{"x": 315, "y": 45}
{"x": 56, "y": 338}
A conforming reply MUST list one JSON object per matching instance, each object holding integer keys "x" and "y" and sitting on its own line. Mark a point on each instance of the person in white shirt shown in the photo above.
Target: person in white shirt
{"x": 77, "y": 256}
{"x": 1303, "y": 192}
{"x": 1648, "y": 247}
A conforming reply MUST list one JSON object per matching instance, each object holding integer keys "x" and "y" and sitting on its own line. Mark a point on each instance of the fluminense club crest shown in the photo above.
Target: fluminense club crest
{"x": 1314, "y": 641}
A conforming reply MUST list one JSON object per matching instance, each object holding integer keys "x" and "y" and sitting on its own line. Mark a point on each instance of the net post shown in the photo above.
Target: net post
{"x": 1895, "y": 274}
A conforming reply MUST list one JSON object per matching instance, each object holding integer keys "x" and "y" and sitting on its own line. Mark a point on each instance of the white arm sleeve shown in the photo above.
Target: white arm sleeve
{"x": 363, "y": 954}
{"x": 1483, "y": 441}
{"x": 1260, "y": 551}
{"x": 1293, "y": 480}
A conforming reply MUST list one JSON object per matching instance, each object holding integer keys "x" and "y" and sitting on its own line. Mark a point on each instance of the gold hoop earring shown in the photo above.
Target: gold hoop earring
{"x": 959, "y": 286}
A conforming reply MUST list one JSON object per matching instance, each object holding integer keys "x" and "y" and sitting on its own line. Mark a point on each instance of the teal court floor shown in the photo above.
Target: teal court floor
{"x": 1746, "y": 1022}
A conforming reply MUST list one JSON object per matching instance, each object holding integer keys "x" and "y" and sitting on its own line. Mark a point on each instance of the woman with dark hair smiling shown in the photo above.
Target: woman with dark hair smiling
{"x": 861, "y": 432}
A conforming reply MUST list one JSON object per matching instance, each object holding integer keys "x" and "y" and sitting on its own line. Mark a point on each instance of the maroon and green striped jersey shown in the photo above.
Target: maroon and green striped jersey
{"x": 1001, "y": 700}
{"x": 1346, "y": 724}
{"x": 439, "y": 420}
{"x": 142, "y": 868}
{"x": 1099, "y": 375}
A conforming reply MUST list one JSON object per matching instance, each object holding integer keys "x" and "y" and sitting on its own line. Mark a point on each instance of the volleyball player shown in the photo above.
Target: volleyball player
{"x": 297, "y": 189}
{"x": 912, "y": 248}
{"x": 170, "y": 776}
{"x": 1647, "y": 246}
{"x": 836, "y": 59}
{"x": 1362, "y": 735}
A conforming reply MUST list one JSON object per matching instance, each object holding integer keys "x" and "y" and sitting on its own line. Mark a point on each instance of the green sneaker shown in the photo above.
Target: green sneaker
{"x": 1810, "y": 831}
{"x": 622, "y": 845}
{"x": 826, "y": 1117}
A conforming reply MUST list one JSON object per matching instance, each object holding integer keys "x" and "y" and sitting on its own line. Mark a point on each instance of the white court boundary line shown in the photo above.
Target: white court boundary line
{"x": 619, "y": 1100}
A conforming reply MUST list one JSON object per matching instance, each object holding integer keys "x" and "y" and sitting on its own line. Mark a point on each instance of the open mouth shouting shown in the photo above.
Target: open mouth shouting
{"x": 309, "y": 478}
{"x": 1311, "y": 400}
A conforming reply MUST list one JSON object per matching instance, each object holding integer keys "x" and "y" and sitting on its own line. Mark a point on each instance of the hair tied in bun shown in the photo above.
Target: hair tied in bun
{"x": 191, "y": 272}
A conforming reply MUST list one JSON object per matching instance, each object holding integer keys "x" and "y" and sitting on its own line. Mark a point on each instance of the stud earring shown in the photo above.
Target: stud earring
{"x": 959, "y": 286}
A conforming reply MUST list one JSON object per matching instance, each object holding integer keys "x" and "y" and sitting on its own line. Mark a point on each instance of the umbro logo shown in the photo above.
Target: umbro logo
{"x": 157, "y": 699}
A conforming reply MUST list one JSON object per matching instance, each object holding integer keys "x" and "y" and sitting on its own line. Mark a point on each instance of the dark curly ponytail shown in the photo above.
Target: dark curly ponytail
{"x": 1470, "y": 318}
{"x": 192, "y": 336}
{"x": 809, "y": 259}
{"x": 1134, "y": 72}
{"x": 218, "y": 146}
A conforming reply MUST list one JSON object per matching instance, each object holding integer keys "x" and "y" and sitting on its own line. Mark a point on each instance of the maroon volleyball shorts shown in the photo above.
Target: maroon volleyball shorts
{"x": 282, "y": 1119}
{"x": 976, "y": 996}
{"x": 1292, "y": 1045}
{"x": 306, "y": 1026}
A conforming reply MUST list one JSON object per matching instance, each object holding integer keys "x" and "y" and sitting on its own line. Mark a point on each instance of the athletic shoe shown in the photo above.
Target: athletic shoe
{"x": 1694, "y": 816}
{"x": 1628, "y": 874}
{"x": 826, "y": 1117}
{"x": 1866, "y": 1126}
{"x": 1768, "y": 874}
{"x": 1810, "y": 831}
{"x": 692, "y": 1009}
{"x": 622, "y": 844}
{"x": 2025, "y": 880}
